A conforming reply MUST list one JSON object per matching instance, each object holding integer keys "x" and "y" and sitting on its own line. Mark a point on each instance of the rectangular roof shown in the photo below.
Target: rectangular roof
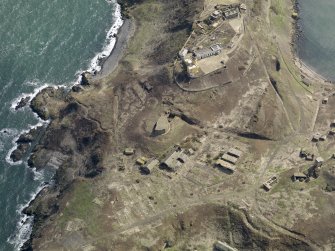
{"x": 235, "y": 152}
{"x": 229, "y": 158}
{"x": 226, "y": 165}
{"x": 301, "y": 175}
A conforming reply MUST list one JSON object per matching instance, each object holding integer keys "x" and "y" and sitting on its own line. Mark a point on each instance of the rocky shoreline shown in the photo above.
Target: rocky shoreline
{"x": 79, "y": 153}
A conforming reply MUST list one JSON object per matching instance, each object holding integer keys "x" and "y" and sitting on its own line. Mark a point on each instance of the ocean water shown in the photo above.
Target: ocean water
{"x": 316, "y": 46}
{"x": 41, "y": 42}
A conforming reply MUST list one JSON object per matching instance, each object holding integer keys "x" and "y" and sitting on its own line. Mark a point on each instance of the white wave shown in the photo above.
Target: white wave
{"x": 34, "y": 83}
{"x": 8, "y": 132}
{"x": 8, "y": 159}
{"x": 17, "y": 100}
{"x": 25, "y": 224}
{"x": 33, "y": 94}
{"x": 95, "y": 65}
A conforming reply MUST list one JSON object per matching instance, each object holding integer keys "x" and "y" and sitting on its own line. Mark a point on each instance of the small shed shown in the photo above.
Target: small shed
{"x": 323, "y": 138}
{"x": 270, "y": 182}
{"x": 243, "y": 6}
{"x": 225, "y": 165}
{"x": 325, "y": 101}
{"x": 299, "y": 176}
{"x": 147, "y": 169}
{"x": 316, "y": 137}
{"x": 235, "y": 153}
{"x": 309, "y": 157}
{"x": 229, "y": 158}
{"x": 319, "y": 161}
{"x": 141, "y": 161}
{"x": 129, "y": 151}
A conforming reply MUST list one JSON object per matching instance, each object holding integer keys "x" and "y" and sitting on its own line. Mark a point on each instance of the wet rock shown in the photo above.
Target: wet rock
{"x": 44, "y": 104}
{"x": 29, "y": 136}
{"x": 19, "y": 152}
{"x": 23, "y": 102}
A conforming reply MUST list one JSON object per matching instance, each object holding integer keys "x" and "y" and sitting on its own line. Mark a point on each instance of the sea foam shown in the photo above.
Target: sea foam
{"x": 95, "y": 65}
{"x": 24, "y": 226}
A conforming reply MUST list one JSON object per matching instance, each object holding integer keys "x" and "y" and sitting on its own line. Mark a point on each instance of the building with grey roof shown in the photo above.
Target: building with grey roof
{"x": 225, "y": 165}
{"x": 174, "y": 160}
{"x": 208, "y": 52}
{"x": 147, "y": 168}
{"x": 231, "y": 13}
{"x": 229, "y": 158}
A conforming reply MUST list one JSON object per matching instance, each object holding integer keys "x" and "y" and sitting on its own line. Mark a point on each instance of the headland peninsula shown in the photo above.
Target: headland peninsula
{"x": 203, "y": 131}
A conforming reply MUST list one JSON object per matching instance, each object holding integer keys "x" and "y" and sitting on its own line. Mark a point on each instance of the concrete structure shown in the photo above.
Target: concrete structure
{"x": 183, "y": 52}
{"x": 270, "y": 182}
{"x": 162, "y": 126}
{"x": 235, "y": 153}
{"x": 319, "y": 161}
{"x": 193, "y": 71}
{"x": 175, "y": 160}
{"x": 216, "y": 15}
{"x": 316, "y": 137}
{"x": 309, "y": 157}
{"x": 208, "y": 52}
{"x": 128, "y": 151}
{"x": 231, "y": 13}
{"x": 299, "y": 176}
{"x": 243, "y": 6}
{"x": 323, "y": 138}
{"x": 325, "y": 101}
{"x": 147, "y": 169}
{"x": 229, "y": 158}
{"x": 223, "y": 246}
{"x": 225, "y": 165}
{"x": 141, "y": 161}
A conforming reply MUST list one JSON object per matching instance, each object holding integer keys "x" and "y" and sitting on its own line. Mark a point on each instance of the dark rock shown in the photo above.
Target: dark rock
{"x": 77, "y": 88}
{"x": 23, "y": 102}
{"x": 19, "y": 152}
{"x": 147, "y": 87}
{"x": 41, "y": 101}
{"x": 25, "y": 138}
{"x": 84, "y": 80}
{"x": 29, "y": 136}
{"x": 278, "y": 66}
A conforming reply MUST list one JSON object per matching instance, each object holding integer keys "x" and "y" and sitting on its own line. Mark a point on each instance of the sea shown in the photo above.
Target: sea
{"x": 42, "y": 43}
{"x": 316, "y": 45}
